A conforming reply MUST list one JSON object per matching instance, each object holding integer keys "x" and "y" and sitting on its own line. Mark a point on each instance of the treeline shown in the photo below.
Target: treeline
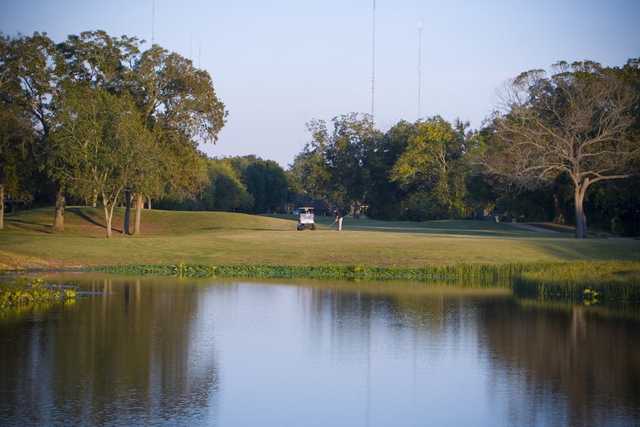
{"x": 240, "y": 184}
{"x": 560, "y": 146}
{"x": 98, "y": 119}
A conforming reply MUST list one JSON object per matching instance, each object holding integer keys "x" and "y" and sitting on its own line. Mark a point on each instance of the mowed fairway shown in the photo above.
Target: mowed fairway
{"x": 228, "y": 238}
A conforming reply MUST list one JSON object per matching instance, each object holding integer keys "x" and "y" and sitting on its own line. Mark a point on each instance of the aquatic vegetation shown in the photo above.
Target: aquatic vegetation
{"x": 585, "y": 282}
{"x": 590, "y": 297}
{"x": 588, "y": 282}
{"x": 459, "y": 273}
{"x": 25, "y": 293}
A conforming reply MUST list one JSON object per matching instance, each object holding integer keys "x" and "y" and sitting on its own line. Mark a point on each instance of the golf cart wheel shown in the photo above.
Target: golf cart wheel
{"x": 300, "y": 227}
{"x": 313, "y": 226}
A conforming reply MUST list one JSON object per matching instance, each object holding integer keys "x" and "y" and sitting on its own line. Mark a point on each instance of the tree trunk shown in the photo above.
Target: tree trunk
{"x": 558, "y": 217}
{"x": 139, "y": 207}
{"x": 581, "y": 218}
{"x": 127, "y": 212}
{"x": 107, "y": 219}
{"x": 149, "y": 201}
{"x": 1, "y": 206}
{"x": 58, "y": 220}
{"x": 94, "y": 200}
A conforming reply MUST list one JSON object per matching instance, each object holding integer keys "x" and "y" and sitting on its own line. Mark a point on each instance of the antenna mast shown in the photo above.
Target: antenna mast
{"x": 373, "y": 61}
{"x": 153, "y": 21}
{"x": 420, "y": 26}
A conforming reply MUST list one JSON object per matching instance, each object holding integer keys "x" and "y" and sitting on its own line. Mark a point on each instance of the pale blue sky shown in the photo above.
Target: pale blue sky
{"x": 277, "y": 64}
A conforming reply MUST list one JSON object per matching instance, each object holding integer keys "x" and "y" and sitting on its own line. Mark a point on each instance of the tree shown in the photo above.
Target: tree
{"x": 226, "y": 192}
{"x": 32, "y": 70}
{"x": 346, "y": 158}
{"x": 308, "y": 174}
{"x": 14, "y": 135}
{"x": 179, "y": 106}
{"x": 267, "y": 183}
{"x": 98, "y": 60}
{"x": 578, "y": 121}
{"x": 384, "y": 195}
{"x": 103, "y": 139}
{"x": 429, "y": 168}
{"x": 16, "y": 145}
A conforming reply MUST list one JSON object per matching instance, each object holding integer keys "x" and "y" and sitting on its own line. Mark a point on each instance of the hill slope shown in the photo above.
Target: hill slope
{"x": 89, "y": 222}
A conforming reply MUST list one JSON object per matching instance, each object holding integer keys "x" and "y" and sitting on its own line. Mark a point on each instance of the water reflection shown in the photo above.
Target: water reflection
{"x": 230, "y": 353}
{"x": 133, "y": 353}
{"x": 565, "y": 363}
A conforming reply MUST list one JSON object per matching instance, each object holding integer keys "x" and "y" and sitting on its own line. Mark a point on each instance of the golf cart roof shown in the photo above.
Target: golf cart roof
{"x": 306, "y": 207}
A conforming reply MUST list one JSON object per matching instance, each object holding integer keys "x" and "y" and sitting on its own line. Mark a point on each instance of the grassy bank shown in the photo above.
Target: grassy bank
{"x": 230, "y": 239}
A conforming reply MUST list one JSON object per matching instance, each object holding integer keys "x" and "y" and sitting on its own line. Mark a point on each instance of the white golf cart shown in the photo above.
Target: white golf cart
{"x": 306, "y": 218}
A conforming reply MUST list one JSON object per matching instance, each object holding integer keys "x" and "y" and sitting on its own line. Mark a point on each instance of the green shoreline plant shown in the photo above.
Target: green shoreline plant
{"x": 589, "y": 282}
{"x": 457, "y": 273}
{"x": 23, "y": 292}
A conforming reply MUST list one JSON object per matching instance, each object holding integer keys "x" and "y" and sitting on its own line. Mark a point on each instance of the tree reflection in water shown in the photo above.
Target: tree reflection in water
{"x": 316, "y": 353}
{"x": 571, "y": 361}
{"x": 130, "y": 353}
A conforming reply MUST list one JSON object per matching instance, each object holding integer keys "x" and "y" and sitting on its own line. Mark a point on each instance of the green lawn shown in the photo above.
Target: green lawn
{"x": 229, "y": 238}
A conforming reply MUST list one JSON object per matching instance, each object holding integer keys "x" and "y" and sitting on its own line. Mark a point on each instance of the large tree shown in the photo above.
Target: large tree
{"x": 577, "y": 121}
{"x": 103, "y": 141}
{"x": 334, "y": 164}
{"x": 225, "y": 191}
{"x": 180, "y": 106}
{"x": 429, "y": 168}
{"x": 98, "y": 60}
{"x": 384, "y": 195}
{"x": 32, "y": 71}
{"x": 267, "y": 184}
{"x": 16, "y": 149}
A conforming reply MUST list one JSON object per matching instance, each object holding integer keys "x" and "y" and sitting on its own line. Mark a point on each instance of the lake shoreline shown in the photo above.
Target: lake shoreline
{"x": 580, "y": 280}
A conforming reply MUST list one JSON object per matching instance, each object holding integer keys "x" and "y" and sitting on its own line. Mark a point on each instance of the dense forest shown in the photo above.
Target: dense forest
{"x": 97, "y": 120}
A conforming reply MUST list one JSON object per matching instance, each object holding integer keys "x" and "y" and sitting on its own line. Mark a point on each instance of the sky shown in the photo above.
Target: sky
{"x": 277, "y": 64}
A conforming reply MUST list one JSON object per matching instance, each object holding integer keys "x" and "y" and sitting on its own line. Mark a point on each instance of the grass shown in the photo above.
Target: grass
{"x": 540, "y": 265}
{"x": 230, "y": 239}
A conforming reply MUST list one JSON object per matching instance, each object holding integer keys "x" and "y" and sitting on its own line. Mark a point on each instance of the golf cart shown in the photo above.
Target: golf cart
{"x": 306, "y": 218}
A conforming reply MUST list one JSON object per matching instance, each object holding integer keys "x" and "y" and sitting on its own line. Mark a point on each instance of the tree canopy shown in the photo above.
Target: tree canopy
{"x": 126, "y": 120}
{"x": 578, "y": 121}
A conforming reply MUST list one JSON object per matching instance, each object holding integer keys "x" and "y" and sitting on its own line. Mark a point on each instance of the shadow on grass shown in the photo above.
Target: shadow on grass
{"x": 79, "y": 213}
{"x": 452, "y": 228}
{"x": 226, "y": 228}
{"x": 567, "y": 248}
{"x": 477, "y": 228}
{"x": 29, "y": 225}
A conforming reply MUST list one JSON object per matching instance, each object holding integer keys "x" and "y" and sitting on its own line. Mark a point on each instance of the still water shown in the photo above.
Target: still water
{"x": 243, "y": 353}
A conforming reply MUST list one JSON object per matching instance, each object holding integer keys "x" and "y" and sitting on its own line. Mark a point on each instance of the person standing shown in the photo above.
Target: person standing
{"x": 338, "y": 219}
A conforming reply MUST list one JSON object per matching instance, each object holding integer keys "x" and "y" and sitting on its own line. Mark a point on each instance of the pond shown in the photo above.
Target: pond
{"x": 165, "y": 351}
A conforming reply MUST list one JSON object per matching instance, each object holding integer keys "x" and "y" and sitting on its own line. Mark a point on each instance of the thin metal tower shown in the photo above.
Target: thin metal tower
{"x": 153, "y": 21}
{"x": 420, "y": 27}
{"x": 373, "y": 61}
